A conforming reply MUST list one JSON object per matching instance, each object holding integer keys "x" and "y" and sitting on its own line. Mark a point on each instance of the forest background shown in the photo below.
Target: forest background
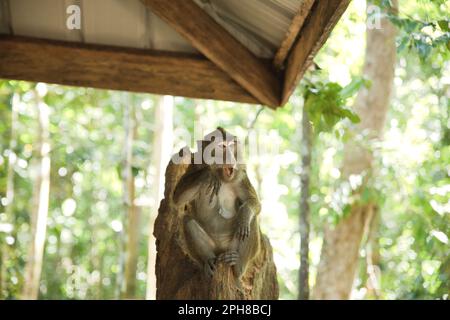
{"x": 82, "y": 171}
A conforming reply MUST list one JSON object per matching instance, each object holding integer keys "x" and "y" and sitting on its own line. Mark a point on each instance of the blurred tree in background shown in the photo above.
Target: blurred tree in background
{"x": 108, "y": 149}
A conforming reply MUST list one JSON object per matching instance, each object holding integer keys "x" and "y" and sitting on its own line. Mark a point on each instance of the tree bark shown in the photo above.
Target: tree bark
{"x": 40, "y": 203}
{"x": 132, "y": 213}
{"x": 373, "y": 257}
{"x": 179, "y": 277}
{"x": 340, "y": 250}
{"x": 306, "y": 151}
{"x": 163, "y": 142}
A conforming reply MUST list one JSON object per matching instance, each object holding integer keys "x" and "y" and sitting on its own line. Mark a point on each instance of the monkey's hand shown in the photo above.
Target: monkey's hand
{"x": 243, "y": 230}
{"x": 243, "y": 225}
{"x": 213, "y": 187}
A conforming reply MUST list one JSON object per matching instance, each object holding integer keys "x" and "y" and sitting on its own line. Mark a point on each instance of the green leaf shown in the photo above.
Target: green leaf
{"x": 354, "y": 86}
{"x": 353, "y": 117}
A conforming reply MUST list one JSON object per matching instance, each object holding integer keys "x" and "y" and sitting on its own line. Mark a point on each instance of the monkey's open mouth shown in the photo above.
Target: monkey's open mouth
{"x": 228, "y": 171}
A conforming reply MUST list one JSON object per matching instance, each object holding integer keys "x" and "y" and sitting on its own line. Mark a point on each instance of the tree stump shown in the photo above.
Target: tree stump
{"x": 180, "y": 276}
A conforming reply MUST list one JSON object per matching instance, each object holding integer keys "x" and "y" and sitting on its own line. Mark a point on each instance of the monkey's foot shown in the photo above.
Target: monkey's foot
{"x": 209, "y": 267}
{"x": 230, "y": 257}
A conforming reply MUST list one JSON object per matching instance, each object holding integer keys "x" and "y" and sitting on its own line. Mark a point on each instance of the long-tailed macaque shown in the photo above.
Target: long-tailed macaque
{"x": 223, "y": 226}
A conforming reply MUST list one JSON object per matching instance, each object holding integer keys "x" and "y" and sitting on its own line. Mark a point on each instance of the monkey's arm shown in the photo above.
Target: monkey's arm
{"x": 189, "y": 186}
{"x": 191, "y": 183}
{"x": 249, "y": 208}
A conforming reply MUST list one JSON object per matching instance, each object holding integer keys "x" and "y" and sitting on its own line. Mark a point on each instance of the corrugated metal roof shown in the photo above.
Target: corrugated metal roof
{"x": 259, "y": 24}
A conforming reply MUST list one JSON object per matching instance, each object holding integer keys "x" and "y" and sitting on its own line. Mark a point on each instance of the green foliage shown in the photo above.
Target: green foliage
{"x": 326, "y": 101}
{"x": 410, "y": 185}
{"x": 82, "y": 249}
{"x": 415, "y": 36}
{"x": 424, "y": 36}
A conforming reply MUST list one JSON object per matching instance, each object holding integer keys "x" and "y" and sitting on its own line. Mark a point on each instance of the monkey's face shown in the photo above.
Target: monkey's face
{"x": 221, "y": 152}
{"x": 227, "y": 173}
{"x": 228, "y": 163}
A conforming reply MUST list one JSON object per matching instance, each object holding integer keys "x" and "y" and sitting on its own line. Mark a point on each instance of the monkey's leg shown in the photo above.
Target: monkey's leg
{"x": 202, "y": 245}
{"x": 241, "y": 252}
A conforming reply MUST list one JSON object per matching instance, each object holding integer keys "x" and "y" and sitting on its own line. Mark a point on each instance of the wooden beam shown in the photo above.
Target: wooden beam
{"x": 317, "y": 28}
{"x": 116, "y": 68}
{"x": 292, "y": 33}
{"x": 211, "y": 39}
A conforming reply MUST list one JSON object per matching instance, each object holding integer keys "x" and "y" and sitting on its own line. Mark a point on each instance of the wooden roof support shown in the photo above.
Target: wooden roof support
{"x": 212, "y": 40}
{"x": 292, "y": 33}
{"x": 318, "y": 25}
{"x": 116, "y": 68}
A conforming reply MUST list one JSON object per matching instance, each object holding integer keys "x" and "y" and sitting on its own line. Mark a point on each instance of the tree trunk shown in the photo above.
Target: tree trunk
{"x": 132, "y": 252}
{"x": 256, "y": 165}
{"x": 162, "y": 151}
{"x": 179, "y": 277}
{"x": 12, "y": 157}
{"x": 132, "y": 213}
{"x": 340, "y": 251}
{"x": 41, "y": 191}
{"x": 306, "y": 151}
{"x": 373, "y": 257}
{"x": 2, "y": 268}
